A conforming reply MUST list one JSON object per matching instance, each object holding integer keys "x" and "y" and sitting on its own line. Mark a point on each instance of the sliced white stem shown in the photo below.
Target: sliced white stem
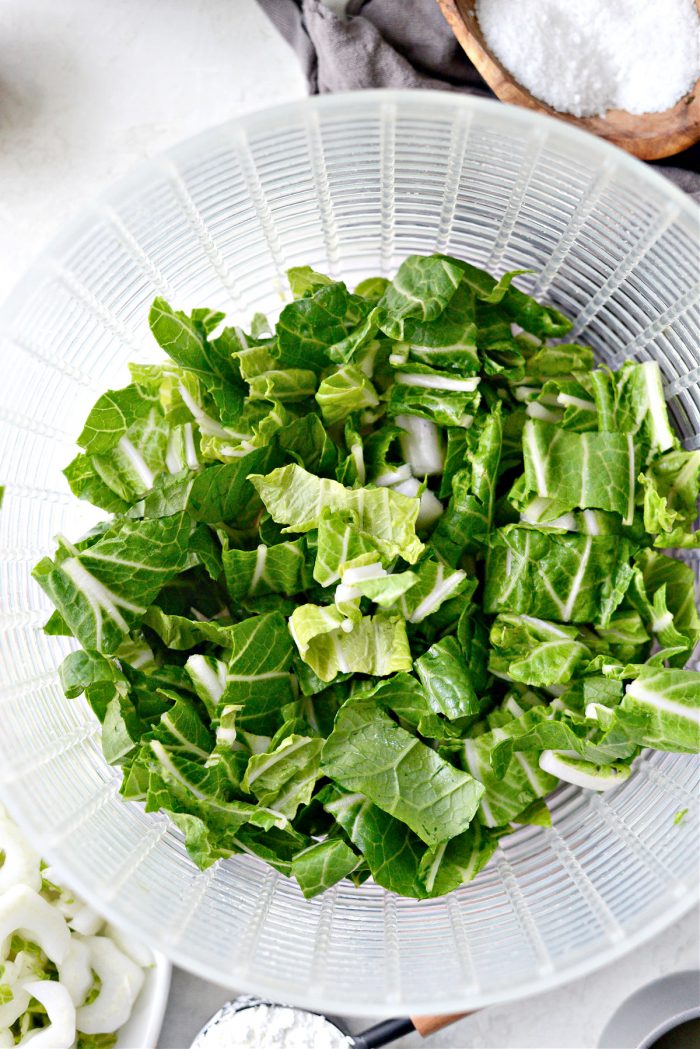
{"x": 568, "y": 609}
{"x": 137, "y": 462}
{"x": 663, "y": 435}
{"x": 240, "y": 334}
{"x": 366, "y": 365}
{"x": 539, "y": 506}
{"x": 421, "y": 445}
{"x": 190, "y": 450}
{"x": 538, "y": 411}
{"x": 205, "y": 422}
{"x": 122, "y": 981}
{"x": 392, "y": 477}
{"x": 569, "y": 401}
{"x": 400, "y": 354}
{"x": 86, "y": 921}
{"x": 210, "y": 678}
{"x": 139, "y": 953}
{"x": 259, "y": 570}
{"x": 20, "y": 864}
{"x": 535, "y": 508}
{"x": 632, "y": 473}
{"x": 225, "y": 736}
{"x": 358, "y": 457}
{"x": 162, "y": 756}
{"x": 75, "y": 973}
{"x": 546, "y": 627}
{"x": 410, "y": 487}
{"x": 345, "y": 593}
{"x": 12, "y": 1010}
{"x": 430, "y": 509}
{"x": 60, "y": 1034}
{"x": 441, "y": 591}
{"x": 437, "y": 382}
{"x": 600, "y": 713}
{"x": 648, "y": 697}
{"x": 26, "y": 912}
{"x": 430, "y": 506}
{"x": 513, "y": 707}
{"x": 360, "y": 572}
{"x": 599, "y": 778}
{"x": 525, "y": 393}
{"x": 591, "y": 522}
{"x": 662, "y": 622}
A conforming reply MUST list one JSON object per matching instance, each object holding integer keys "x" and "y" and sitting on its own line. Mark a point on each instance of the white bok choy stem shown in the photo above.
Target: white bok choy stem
{"x": 122, "y": 981}
{"x": 25, "y": 912}
{"x": 583, "y": 773}
{"x": 86, "y": 921}
{"x": 430, "y": 506}
{"x": 20, "y": 864}
{"x": 138, "y": 952}
{"x": 421, "y": 445}
{"x": 60, "y": 1034}
{"x": 392, "y": 477}
{"x": 12, "y": 1010}
{"x": 438, "y": 382}
{"x": 75, "y": 973}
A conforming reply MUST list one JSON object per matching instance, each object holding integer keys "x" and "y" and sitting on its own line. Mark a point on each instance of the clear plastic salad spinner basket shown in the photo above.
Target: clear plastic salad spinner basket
{"x": 349, "y": 185}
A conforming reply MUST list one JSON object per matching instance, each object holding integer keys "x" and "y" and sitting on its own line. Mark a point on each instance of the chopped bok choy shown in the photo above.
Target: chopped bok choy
{"x": 373, "y": 579}
{"x": 66, "y": 978}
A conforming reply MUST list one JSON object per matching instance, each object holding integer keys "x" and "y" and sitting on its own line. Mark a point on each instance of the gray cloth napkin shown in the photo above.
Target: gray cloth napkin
{"x": 391, "y": 43}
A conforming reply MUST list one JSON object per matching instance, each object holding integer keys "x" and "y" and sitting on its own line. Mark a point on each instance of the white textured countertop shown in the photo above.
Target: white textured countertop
{"x": 572, "y": 1017}
{"x": 87, "y": 90}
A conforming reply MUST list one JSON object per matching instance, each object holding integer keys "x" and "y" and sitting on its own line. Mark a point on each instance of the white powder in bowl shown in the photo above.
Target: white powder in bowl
{"x": 586, "y": 56}
{"x": 271, "y": 1027}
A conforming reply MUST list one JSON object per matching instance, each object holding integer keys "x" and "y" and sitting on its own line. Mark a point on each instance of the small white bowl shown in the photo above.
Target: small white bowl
{"x": 652, "y": 1011}
{"x": 143, "y": 1027}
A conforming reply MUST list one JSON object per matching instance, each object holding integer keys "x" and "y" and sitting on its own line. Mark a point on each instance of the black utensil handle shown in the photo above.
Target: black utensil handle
{"x": 383, "y": 1033}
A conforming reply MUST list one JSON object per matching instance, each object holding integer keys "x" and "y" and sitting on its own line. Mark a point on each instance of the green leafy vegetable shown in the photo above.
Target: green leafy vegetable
{"x": 421, "y": 289}
{"x": 581, "y": 470}
{"x": 258, "y": 676}
{"x": 661, "y": 708}
{"x": 369, "y": 752}
{"x": 284, "y": 778}
{"x": 379, "y": 575}
{"x": 277, "y": 569}
{"x": 103, "y": 590}
{"x": 375, "y": 645}
{"x": 296, "y": 498}
{"x": 568, "y": 578}
{"x": 344, "y": 391}
{"x": 446, "y": 680}
{"x": 323, "y": 864}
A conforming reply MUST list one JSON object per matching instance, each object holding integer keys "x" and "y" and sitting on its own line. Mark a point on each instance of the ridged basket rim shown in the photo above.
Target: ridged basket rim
{"x": 423, "y": 98}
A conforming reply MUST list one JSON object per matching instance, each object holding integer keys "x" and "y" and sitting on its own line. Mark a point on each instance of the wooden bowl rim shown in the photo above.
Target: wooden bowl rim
{"x": 645, "y": 135}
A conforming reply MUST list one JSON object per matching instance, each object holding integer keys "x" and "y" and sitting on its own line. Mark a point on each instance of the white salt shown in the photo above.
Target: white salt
{"x": 586, "y": 56}
{"x": 270, "y": 1027}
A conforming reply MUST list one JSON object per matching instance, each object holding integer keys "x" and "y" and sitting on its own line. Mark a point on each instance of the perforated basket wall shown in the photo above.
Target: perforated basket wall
{"x": 349, "y": 185}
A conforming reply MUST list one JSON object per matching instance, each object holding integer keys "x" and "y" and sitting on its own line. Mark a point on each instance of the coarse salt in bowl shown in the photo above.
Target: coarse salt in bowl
{"x": 349, "y": 184}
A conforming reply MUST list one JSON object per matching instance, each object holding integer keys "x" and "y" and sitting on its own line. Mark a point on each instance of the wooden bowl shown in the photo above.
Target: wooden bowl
{"x": 648, "y": 136}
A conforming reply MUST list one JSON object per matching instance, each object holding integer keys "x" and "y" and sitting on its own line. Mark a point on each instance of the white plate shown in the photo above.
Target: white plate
{"x": 143, "y": 1028}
